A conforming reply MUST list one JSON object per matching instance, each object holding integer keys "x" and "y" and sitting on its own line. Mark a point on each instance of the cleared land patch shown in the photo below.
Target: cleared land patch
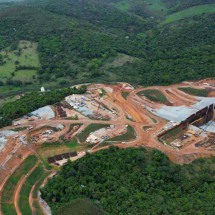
{"x": 80, "y": 207}
{"x": 154, "y": 95}
{"x": 193, "y": 11}
{"x": 129, "y": 135}
{"x": 195, "y": 92}
{"x": 51, "y": 149}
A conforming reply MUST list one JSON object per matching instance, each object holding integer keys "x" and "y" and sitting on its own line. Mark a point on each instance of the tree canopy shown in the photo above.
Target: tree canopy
{"x": 134, "y": 181}
{"x": 78, "y": 41}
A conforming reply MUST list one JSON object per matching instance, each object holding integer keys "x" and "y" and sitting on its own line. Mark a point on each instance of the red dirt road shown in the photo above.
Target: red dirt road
{"x": 134, "y": 107}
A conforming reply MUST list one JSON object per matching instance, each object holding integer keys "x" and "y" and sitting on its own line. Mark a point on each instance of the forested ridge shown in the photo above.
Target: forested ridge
{"x": 134, "y": 181}
{"x": 32, "y": 101}
{"x": 82, "y": 41}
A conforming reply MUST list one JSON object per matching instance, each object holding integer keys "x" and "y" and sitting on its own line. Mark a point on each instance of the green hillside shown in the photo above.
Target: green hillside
{"x": 132, "y": 181}
{"x": 192, "y": 11}
{"x": 157, "y": 8}
{"x": 107, "y": 41}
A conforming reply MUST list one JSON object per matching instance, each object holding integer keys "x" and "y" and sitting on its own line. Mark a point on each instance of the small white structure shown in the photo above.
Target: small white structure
{"x": 60, "y": 127}
{"x": 42, "y": 89}
{"x": 92, "y": 139}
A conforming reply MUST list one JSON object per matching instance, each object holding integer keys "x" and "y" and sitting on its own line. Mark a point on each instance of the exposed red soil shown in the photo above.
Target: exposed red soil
{"x": 134, "y": 106}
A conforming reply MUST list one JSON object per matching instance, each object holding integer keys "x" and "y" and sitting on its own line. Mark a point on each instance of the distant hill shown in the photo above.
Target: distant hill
{"x": 145, "y": 42}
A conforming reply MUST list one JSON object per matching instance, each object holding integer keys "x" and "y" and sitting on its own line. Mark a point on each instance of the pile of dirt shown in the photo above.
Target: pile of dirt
{"x": 211, "y": 94}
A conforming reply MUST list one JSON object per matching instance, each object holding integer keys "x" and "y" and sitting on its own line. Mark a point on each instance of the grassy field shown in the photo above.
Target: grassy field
{"x": 153, "y": 120}
{"x": 125, "y": 94}
{"x": 73, "y": 125}
{"x": 39, "y": 183}
{"x": 24, "y": 75}
{"x": 145, "y": 128}
{"x": 172, "y": 135}
{"x": 27, "y": 56}
{"x": 72, "y": 117}
{"x": 39, "y": 211}
{"x": 8, "y": 99}
{"x": 35, "y": 192}
{"x": 193, "y": 11}
{"x": 26, "y": 189}
{"x": 93, "y": 127}
{"x": 70, "y": 129}
{"x": 156, "y": 6}
{"x": 8, "y": 190}
{"x": 51, "y": 149}
{"x": 19, "y": 129}
{"x": 129, "y": 135}
{"x": 118, "y": 60}
{"x": 195, "y": 92}
{"x": 124, "y": 4}
{"x": 80, "y": 207}
{"x": 154, "y": 95}
{"x": 8, "y": 88}
{"x": 103, "y": 92}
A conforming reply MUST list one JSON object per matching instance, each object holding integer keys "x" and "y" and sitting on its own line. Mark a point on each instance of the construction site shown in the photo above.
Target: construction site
{"x": 178, "y": 120}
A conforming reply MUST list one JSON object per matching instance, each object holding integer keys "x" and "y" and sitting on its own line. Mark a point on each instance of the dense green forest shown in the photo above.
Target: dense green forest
{"x": 133, "y": 181}
{"x": 113, "y": 40}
